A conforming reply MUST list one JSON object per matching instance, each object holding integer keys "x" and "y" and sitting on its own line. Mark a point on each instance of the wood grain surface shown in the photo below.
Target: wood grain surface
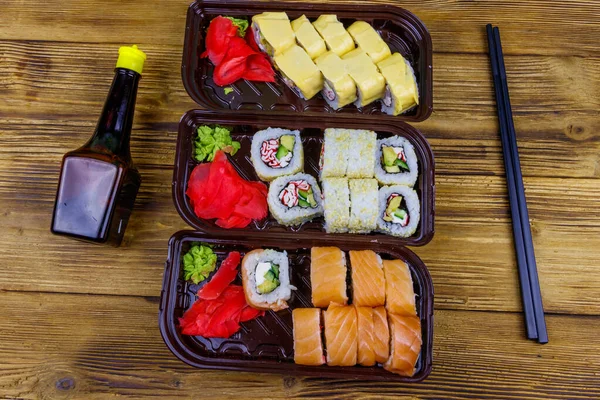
{"x": 80, "y": 321}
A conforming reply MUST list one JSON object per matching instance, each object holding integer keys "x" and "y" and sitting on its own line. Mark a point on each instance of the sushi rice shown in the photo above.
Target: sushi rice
{"x": 335, "y": 152}
{"x": 362, "y": 154}
{"x": 364, "y": 210}
{"x": 279, "y": 295}
{"x": 398, "y": 178}
{"x": 336, "y": 204}
{"x": 267, "y": 172}
{"x": 297, "y": 214}
{"x": 413, "y": 207}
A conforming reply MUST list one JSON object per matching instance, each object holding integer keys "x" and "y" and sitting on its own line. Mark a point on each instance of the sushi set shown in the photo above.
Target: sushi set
{"x": 304, "y": 184}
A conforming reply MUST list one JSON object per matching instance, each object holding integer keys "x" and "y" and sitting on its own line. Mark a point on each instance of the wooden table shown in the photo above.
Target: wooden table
{"x": 80, "y": 321}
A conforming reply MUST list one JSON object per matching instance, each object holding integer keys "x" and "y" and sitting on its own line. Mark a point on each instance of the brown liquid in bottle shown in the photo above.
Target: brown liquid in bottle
{"x": 98, "y": 182}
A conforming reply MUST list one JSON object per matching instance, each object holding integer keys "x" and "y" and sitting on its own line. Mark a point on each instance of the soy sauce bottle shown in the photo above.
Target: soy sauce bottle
{"x": 98, "y": 182}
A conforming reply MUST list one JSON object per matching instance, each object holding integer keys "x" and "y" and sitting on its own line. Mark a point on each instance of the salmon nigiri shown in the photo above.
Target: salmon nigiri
{"x": 341, "y": 335}
{"x": 399, "y": 288}
{"x": 366, "y": 337}
{"x": 405, "y": 332}
{"x": 308, "y": 347}
{"x": 328, "y": 276}
{"x": 368, "y": 281}
{"x": 381, "y": 332}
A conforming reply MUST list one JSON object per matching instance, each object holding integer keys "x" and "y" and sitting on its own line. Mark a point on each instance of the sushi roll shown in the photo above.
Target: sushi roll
{"x": 266, "y": 279}
{"x": 308, "y": 346}
{"x": 368, "y": 281}
{"x": 294, "y": 199}
{"x": 364, "y": 210}
{"x": 399, "y": 211}
{"x": 335, "y": 35}
{"x": 334, "y": 153}
{"x": 382, "y": 335}
{"x": 400, "y": 293}
{"x": 366, "y": 336}
{"x": 369, "y": 40}
{"x": 339, "y": 89}
{"x": 341, "y": 335}
{"x": 328, "y": 276}
{"x": 405, "y": 344}
{"x": 273, "y": 32}
{"x": 401, "y": 91}
{"x": 362, "y": 155}
{"x": 369, "y": 82}
{"x": 336, "y": 204}
{"x": 299, "y": 72}
{"x": 277, "y": 152}
{"x": 396, "y": 162}
{"x": 308, "y": 38}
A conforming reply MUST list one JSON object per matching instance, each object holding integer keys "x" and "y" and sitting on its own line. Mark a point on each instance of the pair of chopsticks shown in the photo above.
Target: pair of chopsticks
{"x": 530, "y": 285}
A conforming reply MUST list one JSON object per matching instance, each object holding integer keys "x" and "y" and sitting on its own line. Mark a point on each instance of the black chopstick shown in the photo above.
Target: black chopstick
{"x": 530, "y": 288}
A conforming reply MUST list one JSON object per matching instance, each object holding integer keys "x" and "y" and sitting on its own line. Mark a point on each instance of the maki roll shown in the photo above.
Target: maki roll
{"x": 266, "y": 279}
{"x": 396, "y": 162}
{"x": 299, "y": 72}
{"x": 308, "y": 38}
{"x": 276, "y": 152}
{"x": 364, "y": 209}
{"x": 369, "y": 40}
{"x": 369, "y": 82}
{"x": 401, "y": 91}
{"x": 273, "y": 32}
{"x": 334, "y": 152}
{"x": 295, "y": 199}
{"x": 339, "y": 89}
{"x": 335, "y": 35}
{"x": 362, "y": 155}
{"x": 399, "y": 211}
{"x": 336, "y": 204}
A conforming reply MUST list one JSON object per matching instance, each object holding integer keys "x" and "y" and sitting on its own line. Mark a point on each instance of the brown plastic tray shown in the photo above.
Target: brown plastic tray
{"x": 401, "y": 29}
{"x": 266, "y": 344}
{"x": 245, "y": 124}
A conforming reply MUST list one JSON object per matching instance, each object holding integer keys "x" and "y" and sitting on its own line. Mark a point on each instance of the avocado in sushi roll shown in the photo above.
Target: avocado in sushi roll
{"x": 401, "y": 90}
{"x": 396, "y": 162}
{"x": 277, "y": 152}
{"x": 339, "y": 89}
{"x": 295, "y": 199}
{"x": 399, "y": 211}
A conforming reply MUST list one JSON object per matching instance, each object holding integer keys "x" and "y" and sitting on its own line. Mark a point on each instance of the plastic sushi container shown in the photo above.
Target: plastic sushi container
{"x": 266, "y": 344}
{"x": 400, "y": 29}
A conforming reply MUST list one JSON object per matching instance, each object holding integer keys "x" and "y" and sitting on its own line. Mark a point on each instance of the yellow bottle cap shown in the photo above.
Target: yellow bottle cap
{"x": 131, "y": 58}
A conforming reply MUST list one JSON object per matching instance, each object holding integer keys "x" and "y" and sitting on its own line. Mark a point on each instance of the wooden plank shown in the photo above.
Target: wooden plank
{"x": 567, "y": 27}
{"x": 556, "y": 128}
{"x": 90, "y": 347}
{"x": 471, "y": 257}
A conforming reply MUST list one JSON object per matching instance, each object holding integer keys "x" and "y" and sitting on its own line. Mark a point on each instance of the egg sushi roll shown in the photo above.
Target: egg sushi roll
{"x": 308, "y": 38}
{"x": 335, "y": 35}
{"x": 273, "y": 32}
{"x": 363, "y": 151}
{"x": 399, "y": 211}
{"x": 364, "y": 208}
{"x": 266, "y": 279}
{"x": 401, "y": 91}
{"x": 328, "y": 276}
{"x": 334, "y": 153}
{"x": 339, "y": 89}
{"x": 369, "y": 82}
{"x": 336, "y": 204}
{"x": 369, "y": 40}
{"x": 276, "y": 152}
{"x": 405, "y": 344}
{"x": 396, "y": 162}
{"x": 299, "y": 72}
{"x": 308, "y": 346}
{"x": 341, "y": 335}
{"x": 294, "y": 199}
{"x": 368, "y": 281}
